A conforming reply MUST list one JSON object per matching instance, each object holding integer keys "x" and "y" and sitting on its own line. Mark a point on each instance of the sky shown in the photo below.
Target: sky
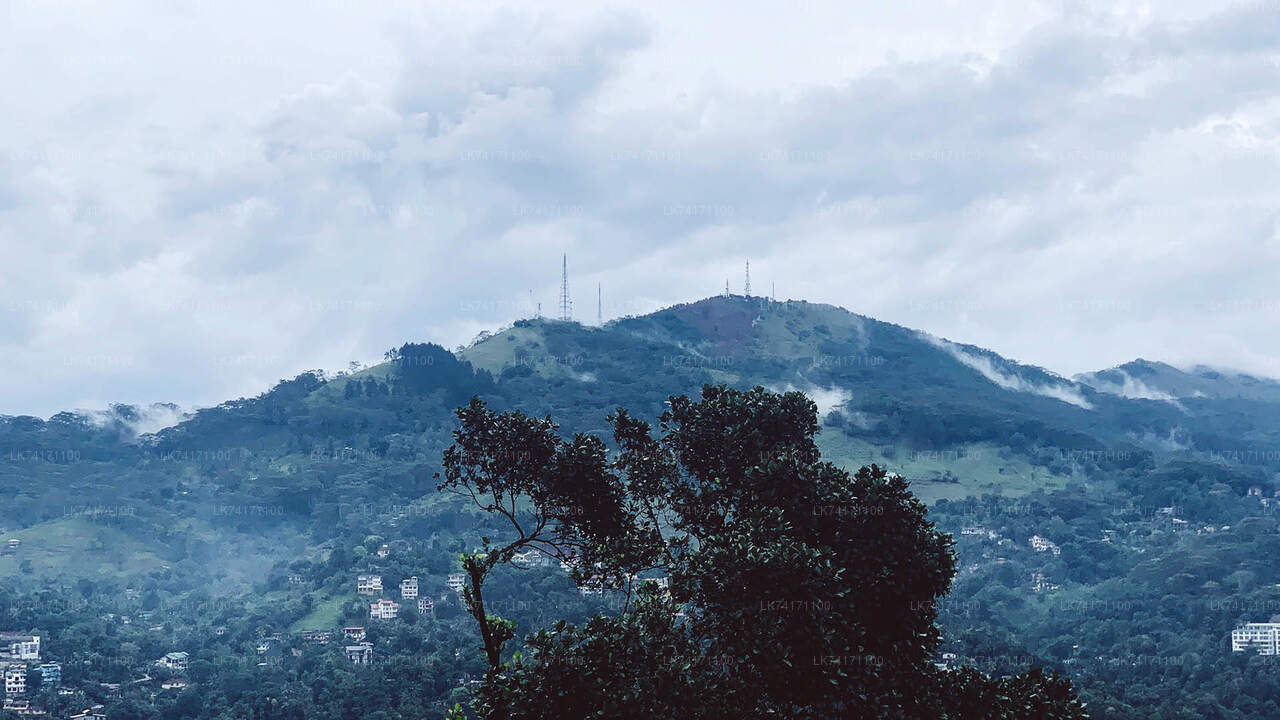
{"x": 199, "y": 198}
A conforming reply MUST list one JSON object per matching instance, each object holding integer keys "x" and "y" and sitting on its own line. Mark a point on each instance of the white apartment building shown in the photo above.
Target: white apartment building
{"x": 384, "y": 610}
{"x": 456, "y": 581}
{"x": 426, "y": 605}
{"x": 409, "y": 588}
{"x": 1263, "y": 638}
{"x": 369, "y": 584}
{"x": 20, "y": 647}
{"x": 15, "y": 679}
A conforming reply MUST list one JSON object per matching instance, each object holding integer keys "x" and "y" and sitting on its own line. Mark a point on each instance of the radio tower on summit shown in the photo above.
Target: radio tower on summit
{"x": 566, "y": 307}
{"x": 747, "y": 290}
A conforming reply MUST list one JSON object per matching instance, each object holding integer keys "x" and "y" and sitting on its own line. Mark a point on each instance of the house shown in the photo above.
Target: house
{"x": 426, "y": 606}
{"x": 384, "y": 551}
{"x": 175, "y": 661}
{"x": 316, "y": 637}
{"x": 15, "y": 679}
{"x": 175, "y": 684}
{"x": 1039, "y": 584}
{"x": 1262, "y": 638}
{"x": 384, "y": 610}
{"x": 369, "y": 584}
{"x": 16, "y": 646}
{"x": 361, "y": 654}
{"x": 532, "y": 558}
{"x": 1254, "y": 491}
{"x": 1042, "y": 544}
{"x": 409, "y": 588}
{"x": 456, "y": 581}
{"x": 355, "y": 633}
{"x": 93, "y": 713}
{"x": 12, "y": 545}
{"x": 50, "y": 673}
{"x": 593, "y": 586}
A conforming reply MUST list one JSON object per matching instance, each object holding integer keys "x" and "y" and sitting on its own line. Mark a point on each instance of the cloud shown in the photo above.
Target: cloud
{"x": 1010, "y": 378}
{"x": 197, "y": 201}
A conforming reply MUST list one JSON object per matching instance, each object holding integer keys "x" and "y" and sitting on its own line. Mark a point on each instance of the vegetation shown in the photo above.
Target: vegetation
{"x": 257, "y": 515}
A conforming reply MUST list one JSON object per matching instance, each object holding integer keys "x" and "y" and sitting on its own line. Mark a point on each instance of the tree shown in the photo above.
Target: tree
{"x": 795, "y": 589}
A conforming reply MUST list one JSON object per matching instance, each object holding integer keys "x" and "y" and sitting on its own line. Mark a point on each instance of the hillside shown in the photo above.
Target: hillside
{"x": 256, "y": 514}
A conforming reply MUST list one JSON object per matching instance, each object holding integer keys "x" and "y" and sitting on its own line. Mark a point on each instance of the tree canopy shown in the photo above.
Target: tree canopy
{"x": 783, "y": 586}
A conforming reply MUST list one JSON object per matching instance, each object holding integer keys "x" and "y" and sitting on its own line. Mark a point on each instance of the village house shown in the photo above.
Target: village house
{"x": 369, "y": 584}
{"x": 384, "y": 551}
{"x": 316, "y": 637}
{"x": 175, "y": 684}
{"x": 50, "y": 673}
{"x": 16, "y": 646}
{"x": 175, "y": 661}
{"x": 361, "y": 654}
{"x": 456, "y": 581}
{"x": 384, "y": 610}
{"x": 15, "y": 679}
{"x": 409, "y": 588}
{"x": 94, "y": 713}
{"x": 593, "y": 586}
{"x": 1043, "y": 544}
{"x": 426, "y": 606}
{"x": 354, "y": 633}
{"x": 12, "y": 545}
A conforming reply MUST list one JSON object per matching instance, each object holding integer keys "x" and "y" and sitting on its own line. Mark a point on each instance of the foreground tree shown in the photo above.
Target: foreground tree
{"x": 793, "y": 589}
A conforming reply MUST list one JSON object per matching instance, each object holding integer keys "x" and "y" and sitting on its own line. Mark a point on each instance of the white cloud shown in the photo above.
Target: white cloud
{"x": 198, "y": 200}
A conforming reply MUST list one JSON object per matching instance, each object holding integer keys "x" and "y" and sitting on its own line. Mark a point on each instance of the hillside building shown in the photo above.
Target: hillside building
{"x": 1043, "y": 544}
{"x": 361, "y": 654}
{"x": 456, "y": 581}
{"x": 16, "y": 646}
{"x": 369, "y": 584}
{"x": 426, "y": 606}
{"x": 15, "y": 679}
{"x": 409, "y": 588}
{"x": 1262, "y": 638}
{"x": 384, "y": 610}
{"x": 355, "y": 633}
{"x": 50, "y": 674}
{"x": 175, "y": 661}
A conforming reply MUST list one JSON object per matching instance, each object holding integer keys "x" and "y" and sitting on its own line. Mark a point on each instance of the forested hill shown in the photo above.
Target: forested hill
{"x": 269, "y": 501}
{"x": 958, "y": 419}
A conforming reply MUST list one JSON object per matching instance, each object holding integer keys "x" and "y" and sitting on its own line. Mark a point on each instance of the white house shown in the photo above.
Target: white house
{"x": 426, "y": 605}
{"x": 1042, "y": 544}
{"x": 361, "y": 654}
{"x": 175, "y": 661}
{"x": 1263, "y": 638}
{"x": 369, "y": 584}
{"x": 384, "y": 609}
{"x": 456, "y": 581}
{"x": 19, "y": 647}
{"x": 354, "y": 633}
{"x": 15, "y": 679}
{"x": 409, "y": 588}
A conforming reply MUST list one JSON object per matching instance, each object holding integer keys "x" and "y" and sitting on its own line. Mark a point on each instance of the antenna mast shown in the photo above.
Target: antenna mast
{"x": 747, "y": 290}
{"x": 566, "y": 307}
{"x": 599, "y": 307}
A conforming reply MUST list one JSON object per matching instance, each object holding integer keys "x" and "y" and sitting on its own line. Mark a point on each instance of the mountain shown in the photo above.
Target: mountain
{"x": 1154, "y": 483}
{"x": 1144, "y": 379}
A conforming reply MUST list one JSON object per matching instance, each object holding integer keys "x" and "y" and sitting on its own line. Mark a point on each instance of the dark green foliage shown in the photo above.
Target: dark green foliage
{"x": 803, "y": 592}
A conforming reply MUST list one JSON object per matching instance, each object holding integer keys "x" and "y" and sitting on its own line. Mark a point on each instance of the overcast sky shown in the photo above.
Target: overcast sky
{"x": 200, "y": 198}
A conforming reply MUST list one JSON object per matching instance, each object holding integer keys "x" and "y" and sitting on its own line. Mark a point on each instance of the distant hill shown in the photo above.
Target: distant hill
{"x": 277, "y": 473}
